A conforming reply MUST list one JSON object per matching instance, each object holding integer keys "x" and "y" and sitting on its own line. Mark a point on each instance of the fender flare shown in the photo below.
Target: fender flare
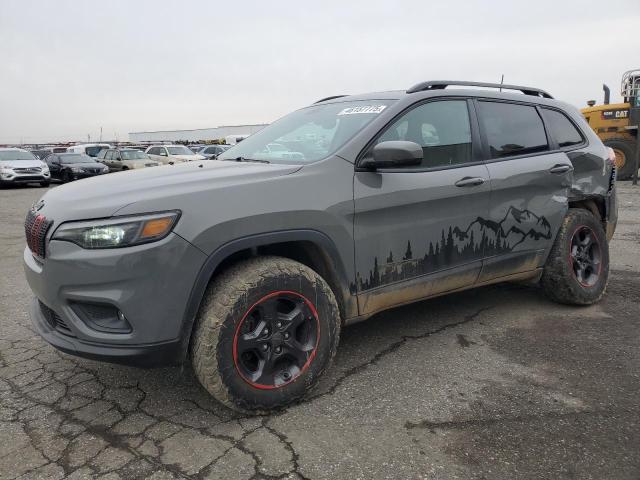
{"x": 212, "y": 262}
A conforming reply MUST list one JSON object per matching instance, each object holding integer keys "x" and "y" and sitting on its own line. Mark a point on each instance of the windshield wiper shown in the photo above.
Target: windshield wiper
{"x": 243, "y": 159}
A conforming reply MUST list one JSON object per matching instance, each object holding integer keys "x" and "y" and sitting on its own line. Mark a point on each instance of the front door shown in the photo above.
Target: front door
{"x": 420, "y": 231}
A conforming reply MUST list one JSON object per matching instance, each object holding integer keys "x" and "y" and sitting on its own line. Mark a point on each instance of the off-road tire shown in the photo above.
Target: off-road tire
{"x": 227, "y": 302}
{"x": 559, "y": 281}
{"x": 628, "y": 148}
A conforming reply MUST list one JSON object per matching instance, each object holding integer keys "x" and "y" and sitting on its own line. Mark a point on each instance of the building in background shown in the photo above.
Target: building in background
{"x": 195, "y": 135}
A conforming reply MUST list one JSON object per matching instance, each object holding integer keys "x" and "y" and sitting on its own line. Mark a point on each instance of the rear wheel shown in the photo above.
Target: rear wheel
{"x": 268, "y": 328}
{"x": 625, "y": 151}
{"x": 577, "y": 270}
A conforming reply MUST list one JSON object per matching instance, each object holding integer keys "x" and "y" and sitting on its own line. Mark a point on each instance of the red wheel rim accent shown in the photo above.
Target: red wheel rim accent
{"x": 285, "y": 295}
{"x": 585, "y": 256}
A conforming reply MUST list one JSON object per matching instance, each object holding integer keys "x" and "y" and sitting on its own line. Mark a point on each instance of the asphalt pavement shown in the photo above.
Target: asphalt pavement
{"x": 492, "y": 383}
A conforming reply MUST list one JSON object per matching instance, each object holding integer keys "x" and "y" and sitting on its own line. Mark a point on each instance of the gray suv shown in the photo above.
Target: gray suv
{"x": 250, "y": 266}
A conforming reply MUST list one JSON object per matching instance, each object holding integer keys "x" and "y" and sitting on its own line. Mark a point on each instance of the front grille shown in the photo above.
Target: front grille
{"x": 54, "y": 320}
{"x": 26, "y": 178}
{"x": 35, "y": 229}
{"x": 28, "y": 170}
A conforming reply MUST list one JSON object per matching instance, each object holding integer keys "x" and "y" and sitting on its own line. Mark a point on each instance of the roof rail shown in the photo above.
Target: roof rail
{"x": 442, "y": 84}
{"x": 329, "y": 98}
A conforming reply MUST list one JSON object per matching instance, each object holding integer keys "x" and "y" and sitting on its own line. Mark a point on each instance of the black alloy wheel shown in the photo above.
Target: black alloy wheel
{"x": 276, "y": 340}
{"x": 586, "y": 256}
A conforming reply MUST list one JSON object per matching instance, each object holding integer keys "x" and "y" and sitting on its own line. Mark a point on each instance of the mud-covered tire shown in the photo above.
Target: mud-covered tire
{"x": 229, "y": 300}
{"x": 559, "y": 279}
{"x": 627, "y": 148}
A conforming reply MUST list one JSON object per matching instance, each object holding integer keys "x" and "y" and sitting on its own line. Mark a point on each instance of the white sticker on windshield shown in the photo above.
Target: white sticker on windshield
{"x": 363, "y": 109}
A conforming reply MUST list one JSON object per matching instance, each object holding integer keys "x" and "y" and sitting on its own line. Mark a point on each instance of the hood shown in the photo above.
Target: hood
{"x": 22, "y": 163}
{"x": 189, "y": 158}
{"x": 104, "y": 195}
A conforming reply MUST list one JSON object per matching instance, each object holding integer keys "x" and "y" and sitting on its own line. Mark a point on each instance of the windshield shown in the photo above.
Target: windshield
{"x": 75, "y": 158}
{"x": 133, "y": 155}
{"x": 307, "y": 135}
{"x": 179, "y": 151}
{"x": 94, "y": 150}
{"x": 16, "y": 155}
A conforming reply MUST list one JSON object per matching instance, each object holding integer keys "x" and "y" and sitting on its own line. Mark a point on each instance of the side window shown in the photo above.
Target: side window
{"x": 441, "y": 128}
{"x": 154, "y": 151}
{"x": 163, "y": 151}
{"x": 109, "y": 155}
{"x": 565, "y": 132}
{"x": 512, "y": 129}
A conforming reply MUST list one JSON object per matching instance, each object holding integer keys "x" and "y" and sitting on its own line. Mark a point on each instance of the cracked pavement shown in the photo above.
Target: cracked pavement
{"x": 493, "y": 383}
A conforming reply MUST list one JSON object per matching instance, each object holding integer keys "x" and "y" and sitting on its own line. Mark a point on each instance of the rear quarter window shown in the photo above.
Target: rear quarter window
{"x": 562, "y": 129}
{"x": 512, "y": 129}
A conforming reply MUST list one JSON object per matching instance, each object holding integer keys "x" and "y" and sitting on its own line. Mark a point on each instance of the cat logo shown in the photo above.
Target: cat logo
{"x": 615, "y": 114}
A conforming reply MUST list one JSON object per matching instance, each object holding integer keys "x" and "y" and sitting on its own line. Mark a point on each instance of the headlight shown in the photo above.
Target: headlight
{"x": 77, "y": 170}
{"x": 45, "y": 170}
{"x": 118, "y": 232}
{"x": 6, "y": 170}
{"x": 105, "y": 168}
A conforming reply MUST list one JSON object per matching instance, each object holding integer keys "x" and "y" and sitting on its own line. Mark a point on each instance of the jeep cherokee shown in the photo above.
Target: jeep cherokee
{"x": 249, "y": 267}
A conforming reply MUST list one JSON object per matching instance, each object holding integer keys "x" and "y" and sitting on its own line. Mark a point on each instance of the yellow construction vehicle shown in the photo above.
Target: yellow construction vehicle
{"x": 615, "y": 123}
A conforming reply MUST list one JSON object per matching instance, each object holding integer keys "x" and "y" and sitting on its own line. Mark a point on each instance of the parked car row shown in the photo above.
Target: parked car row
{"x": 80, "y": 161}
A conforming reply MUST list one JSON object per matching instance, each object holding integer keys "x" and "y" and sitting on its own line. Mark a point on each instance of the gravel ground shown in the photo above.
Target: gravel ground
{"x": 495, "y": 383}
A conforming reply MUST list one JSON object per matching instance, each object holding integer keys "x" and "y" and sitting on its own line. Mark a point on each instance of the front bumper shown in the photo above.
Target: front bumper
{"x": 81, "y": 175}
{"x": 24, "y": 178}
{"x": 149, "y": 284}
{"x": 161, "y": 354}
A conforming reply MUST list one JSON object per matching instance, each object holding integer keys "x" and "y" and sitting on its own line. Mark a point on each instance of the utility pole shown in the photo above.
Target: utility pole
{"x": 502, "y": 81}
{"x": 100, "y": 134}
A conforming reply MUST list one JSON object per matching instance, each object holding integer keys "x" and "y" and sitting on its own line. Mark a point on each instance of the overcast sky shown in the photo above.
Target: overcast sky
{"x": 69, "y": 67}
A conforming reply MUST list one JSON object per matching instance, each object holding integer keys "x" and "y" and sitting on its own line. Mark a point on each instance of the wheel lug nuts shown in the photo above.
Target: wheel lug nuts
{"x": 279, "y": 324}
{"x": 278, "y": 349}
{"x": 266, "y": 331}
{"x": 265, "y": 347}
{"x": 286, "y": 375}
{"x": 286, "y": 335}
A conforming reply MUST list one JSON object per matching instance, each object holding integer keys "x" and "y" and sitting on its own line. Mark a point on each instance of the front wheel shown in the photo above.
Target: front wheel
{"x": 66, "y": 177}
{"x": 577, "y": 270}
{"x": 269, "y": 327}
{"x": 45, "y": 184}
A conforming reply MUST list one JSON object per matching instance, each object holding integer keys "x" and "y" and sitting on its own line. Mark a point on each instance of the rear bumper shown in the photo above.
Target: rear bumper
{"x": 612, "y": 212}
{"x": 153, "y": 355}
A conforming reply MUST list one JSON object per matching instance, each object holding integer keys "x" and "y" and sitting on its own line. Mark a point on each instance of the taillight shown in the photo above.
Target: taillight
{"x": 612, "y": 156}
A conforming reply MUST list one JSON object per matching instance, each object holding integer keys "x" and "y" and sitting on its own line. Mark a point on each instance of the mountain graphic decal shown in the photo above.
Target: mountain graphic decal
{"x": 481, "y": 237}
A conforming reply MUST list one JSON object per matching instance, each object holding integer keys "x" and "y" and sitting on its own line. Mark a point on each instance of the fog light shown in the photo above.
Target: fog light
{"x": 102, "y": 317}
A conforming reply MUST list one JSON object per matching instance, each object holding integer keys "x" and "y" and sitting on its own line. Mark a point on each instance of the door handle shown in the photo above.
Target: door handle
{"x": 560, "y": 168}
{"x": 469, "y": 182}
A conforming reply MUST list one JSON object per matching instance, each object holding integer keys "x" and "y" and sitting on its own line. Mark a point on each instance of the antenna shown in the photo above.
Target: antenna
{"x": 502, "y": 81}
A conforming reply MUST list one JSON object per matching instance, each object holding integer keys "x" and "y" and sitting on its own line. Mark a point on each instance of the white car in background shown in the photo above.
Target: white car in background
{"x": 91, "y": 149}
{"x": 19, "y": 166}
{"x": 170, "y": 154}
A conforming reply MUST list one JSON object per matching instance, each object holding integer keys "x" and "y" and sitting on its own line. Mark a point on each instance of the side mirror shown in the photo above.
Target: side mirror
{"x": 394, "y": 154}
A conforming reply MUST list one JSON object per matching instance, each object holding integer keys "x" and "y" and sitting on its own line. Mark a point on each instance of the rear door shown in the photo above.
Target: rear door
{"x": 418, "y": 230}
{"x": 530, "y": 181}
